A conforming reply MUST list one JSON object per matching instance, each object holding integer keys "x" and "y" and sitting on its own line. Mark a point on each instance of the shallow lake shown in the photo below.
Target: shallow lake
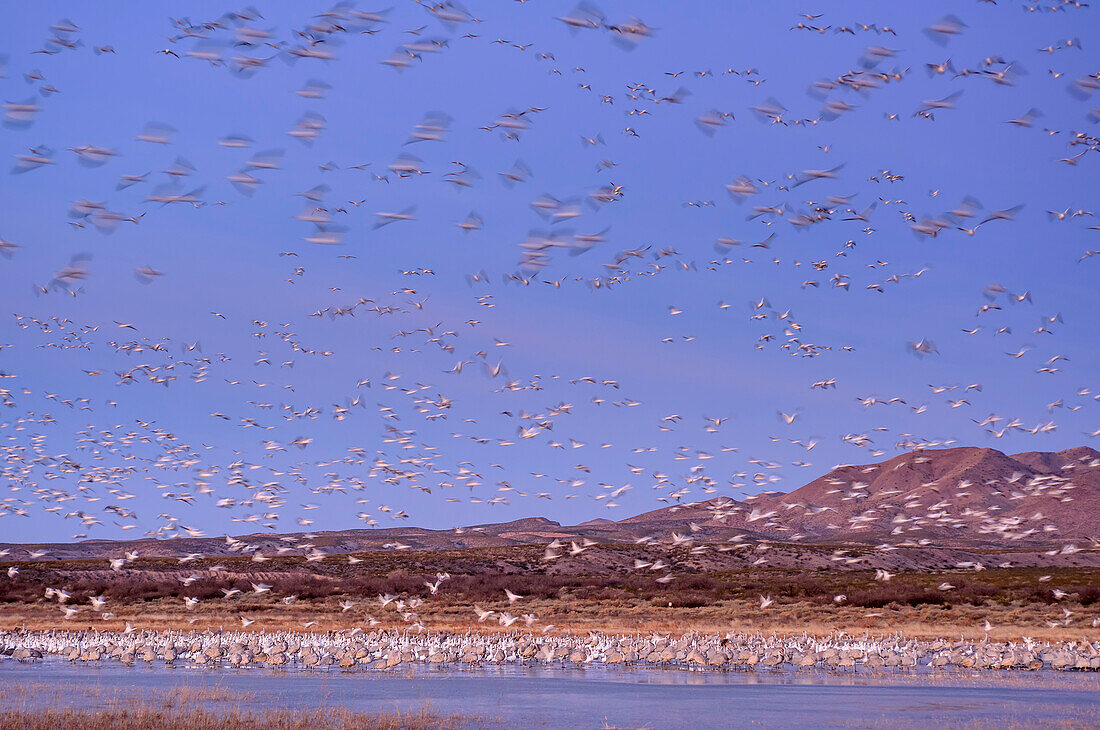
{"x": 548, "y": 697}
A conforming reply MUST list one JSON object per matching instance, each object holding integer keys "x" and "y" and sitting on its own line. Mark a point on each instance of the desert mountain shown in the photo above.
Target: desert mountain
{"x": 966, "y": 497}
{"x": 969, "y": 496}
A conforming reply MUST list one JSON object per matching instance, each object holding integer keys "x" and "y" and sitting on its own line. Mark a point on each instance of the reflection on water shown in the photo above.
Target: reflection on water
{"x": 630, "y": 697}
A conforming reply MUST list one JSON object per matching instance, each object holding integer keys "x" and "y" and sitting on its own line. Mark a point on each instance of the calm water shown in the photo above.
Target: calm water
{"x": 536, "y": 697}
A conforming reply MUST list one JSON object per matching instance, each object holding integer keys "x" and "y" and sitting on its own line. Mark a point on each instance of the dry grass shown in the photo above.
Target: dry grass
{"x": 149, "y": 595}
{"x": 138, "y": 717}
{"x": 36, "y": 706}
{"x": 14, "y": 694}
{"x": 614, "y": 617}
{"x": 188, "y": 696}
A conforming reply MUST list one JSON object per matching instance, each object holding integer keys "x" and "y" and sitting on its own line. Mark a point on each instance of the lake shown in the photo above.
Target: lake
{"x": 547, "y": 697}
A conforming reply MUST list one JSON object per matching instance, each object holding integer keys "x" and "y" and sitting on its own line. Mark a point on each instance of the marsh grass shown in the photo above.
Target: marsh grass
{"x": 135, "y": 716}
{"x": 185, "y": 696}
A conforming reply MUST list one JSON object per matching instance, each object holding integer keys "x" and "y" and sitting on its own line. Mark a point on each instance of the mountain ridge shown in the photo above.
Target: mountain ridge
{"x": 963, "y": 496}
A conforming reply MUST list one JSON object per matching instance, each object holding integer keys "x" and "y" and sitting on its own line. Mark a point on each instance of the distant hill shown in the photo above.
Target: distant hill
{"x": 963, "y": 497}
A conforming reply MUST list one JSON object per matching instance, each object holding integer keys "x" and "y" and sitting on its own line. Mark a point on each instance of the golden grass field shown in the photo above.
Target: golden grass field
{"x": 1009, "y": 622}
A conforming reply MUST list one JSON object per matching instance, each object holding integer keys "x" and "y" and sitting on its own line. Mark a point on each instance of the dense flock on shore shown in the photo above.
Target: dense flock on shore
{"x": 388, "y": 649}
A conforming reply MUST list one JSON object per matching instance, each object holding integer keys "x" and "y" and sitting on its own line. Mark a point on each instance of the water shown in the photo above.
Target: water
{"x": 546, "y": 697}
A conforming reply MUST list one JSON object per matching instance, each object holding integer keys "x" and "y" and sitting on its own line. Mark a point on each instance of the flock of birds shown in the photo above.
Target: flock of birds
{"x": 68, "y": 453}
{"x": 386, "y": 650}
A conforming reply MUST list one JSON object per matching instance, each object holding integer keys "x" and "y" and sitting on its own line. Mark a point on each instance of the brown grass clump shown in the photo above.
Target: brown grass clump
{"x": 139, "y": 717}
{"x": 189, "y": 696}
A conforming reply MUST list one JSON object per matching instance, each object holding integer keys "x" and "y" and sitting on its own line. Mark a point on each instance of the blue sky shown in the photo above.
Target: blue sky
{"x": 226, "y": 258}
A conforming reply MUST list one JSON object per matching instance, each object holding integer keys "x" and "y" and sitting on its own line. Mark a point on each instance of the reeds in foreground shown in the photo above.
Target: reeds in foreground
{"x": 137, "y": 717}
